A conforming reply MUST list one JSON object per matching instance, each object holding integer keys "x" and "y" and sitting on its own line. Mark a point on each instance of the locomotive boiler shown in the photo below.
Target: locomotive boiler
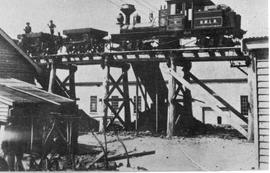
{"x": 211, "y": 25}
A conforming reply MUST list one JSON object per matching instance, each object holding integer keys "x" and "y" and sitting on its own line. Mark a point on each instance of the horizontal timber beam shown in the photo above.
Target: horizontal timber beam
{"x": 159, "y": 55}
{"x": 216, "y": 81}
{"x": 117, "y": 64}
{"x": 182, "y": 50}
{"x": 156, "y": 59}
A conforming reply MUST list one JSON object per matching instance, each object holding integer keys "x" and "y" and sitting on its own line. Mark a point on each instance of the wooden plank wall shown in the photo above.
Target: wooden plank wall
{"x": 3, "y": 112}
{"x": 13, "y": 65}
{"x": 263, "y": 112}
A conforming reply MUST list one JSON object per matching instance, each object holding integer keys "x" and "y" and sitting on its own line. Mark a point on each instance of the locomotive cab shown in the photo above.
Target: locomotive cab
{"x": 179, "y": 17}
{"x": 181, "y": 13}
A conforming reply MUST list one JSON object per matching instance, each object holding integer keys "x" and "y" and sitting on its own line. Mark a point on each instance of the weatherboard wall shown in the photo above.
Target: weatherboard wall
{"x": 263, "y": 110}
{"x": 3, "y": 112}
{"x": 13, "y": 65}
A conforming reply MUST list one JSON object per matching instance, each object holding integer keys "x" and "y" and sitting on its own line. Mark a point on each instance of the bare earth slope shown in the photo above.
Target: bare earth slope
{"x": 210, "y": 153}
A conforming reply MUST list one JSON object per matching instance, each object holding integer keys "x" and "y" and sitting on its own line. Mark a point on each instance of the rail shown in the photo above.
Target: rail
{"x": 159, "y": 55}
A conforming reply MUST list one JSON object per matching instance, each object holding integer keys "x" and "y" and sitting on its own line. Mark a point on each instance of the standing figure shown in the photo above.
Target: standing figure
{"x": 51, "y": 25}
{"x": 151, "y": 17}
{"x": 13, "y": 146}
{"x": 27, "y": 28}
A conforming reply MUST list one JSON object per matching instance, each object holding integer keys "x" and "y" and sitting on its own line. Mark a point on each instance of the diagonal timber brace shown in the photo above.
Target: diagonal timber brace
{"x": 217, "y": 97}
{"x": 124, "y": 94}
{"x": 211, "y": 101}
{"x": 59, "y": 87}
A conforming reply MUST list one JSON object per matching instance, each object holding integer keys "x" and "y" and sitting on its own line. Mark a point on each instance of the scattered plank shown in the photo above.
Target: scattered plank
{"x": 98, "y": 158}
{"x": 120, "y": 157}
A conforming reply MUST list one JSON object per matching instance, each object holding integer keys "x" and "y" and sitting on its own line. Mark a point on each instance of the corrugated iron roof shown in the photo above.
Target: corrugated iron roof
{"x": 252, "y": 43}
{"x": 12, "y": 96}
{"x": 256, "y": 38}
{"x": 18, "y": 92}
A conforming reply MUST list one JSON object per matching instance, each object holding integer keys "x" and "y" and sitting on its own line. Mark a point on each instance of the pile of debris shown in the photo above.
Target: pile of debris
{"x": 104, "y": 159}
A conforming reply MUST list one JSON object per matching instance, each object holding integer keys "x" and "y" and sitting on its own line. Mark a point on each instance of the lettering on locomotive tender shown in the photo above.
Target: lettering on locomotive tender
{"x": 208, "y": 22}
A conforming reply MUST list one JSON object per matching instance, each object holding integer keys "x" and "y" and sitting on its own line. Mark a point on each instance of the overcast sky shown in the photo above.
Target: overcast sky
{"x": 101, "y": 14}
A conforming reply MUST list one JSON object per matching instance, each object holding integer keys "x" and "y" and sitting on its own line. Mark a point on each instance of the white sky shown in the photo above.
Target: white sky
{"x": 101, "y": 14}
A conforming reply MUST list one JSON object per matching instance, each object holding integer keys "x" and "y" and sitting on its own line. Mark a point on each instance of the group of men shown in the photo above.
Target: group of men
{"x": 51, "y": 26}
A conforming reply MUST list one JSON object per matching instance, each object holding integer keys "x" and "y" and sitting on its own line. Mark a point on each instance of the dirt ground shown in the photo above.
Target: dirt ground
{"x": 201, "y": 153}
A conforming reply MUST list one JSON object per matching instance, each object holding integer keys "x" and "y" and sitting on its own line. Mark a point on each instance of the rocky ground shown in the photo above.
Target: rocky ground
{"x": 216, "y": 152}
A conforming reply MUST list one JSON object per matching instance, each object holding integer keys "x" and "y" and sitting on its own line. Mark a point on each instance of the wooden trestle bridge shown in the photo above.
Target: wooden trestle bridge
{"x": 145, "y": 64}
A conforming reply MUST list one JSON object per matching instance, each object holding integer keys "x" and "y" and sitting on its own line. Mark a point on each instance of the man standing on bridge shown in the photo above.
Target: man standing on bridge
{"x": 27, "y": 28}
{"x": 51, "y": 25}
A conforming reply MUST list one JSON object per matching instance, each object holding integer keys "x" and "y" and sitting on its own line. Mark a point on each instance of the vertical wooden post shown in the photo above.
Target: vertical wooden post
{"x": 72, "y": 87}
{"x": 252, "y": 85}
{"x": 137, "y": 103}
{"x": 171, "y": 106}
{"x": 32, "y": 133}
{"x": 188, "y": 115}
{"x": 126, "y": 98}
{"x": 68, "y": 136}
{"x": 145, "y": 98}
{"x": 203, "y": 115}
{"x": 103, "y": 124}
{"x": 52, "y": 78}
{"x": 157, "y": 109}
{"x": 73, "y": 129}
{"x": 105, "y": 107}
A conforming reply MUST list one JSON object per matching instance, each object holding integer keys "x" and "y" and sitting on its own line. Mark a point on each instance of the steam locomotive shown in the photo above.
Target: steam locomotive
{"x": 201, "y": 21}
{"x": 211, "y": 25}
{"x": 76, "y": 41}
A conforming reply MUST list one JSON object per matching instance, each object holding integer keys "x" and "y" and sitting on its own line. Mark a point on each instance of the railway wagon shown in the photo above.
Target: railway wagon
{"x": 35, "y": 44}
{"x": 84, "y": 40}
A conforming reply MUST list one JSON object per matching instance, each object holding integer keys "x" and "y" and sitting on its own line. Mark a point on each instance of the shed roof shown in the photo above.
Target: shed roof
{"x": 253, "y": 43}
{"x": 20, "y": 51}
{"x": 13, "y": 91}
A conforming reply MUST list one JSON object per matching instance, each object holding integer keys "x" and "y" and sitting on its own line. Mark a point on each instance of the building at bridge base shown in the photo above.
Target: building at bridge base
{"x": 259, "y": 98}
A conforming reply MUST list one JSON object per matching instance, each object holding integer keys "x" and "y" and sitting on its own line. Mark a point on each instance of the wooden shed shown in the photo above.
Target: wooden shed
{"x": 259, "y": 97}
{"x": 35, "y": 118}
{"x": 14, "y": 63}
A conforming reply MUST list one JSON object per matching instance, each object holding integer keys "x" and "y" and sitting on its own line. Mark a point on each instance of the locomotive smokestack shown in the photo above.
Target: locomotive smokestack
{"x": 128, "y": 9}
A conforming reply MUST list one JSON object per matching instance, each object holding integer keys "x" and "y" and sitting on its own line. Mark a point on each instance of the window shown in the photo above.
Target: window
{"x": 173, "y": 9}
{"x": 244, "y": 105}
{"x": 139, "y": 104}
{"x": 219, "y": 120}
{"x": 93, "y": 103}
{"x": 115, "y": 104}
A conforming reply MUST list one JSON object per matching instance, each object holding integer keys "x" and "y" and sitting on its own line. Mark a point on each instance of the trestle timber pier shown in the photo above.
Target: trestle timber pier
{"x": 169, "y": 110}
